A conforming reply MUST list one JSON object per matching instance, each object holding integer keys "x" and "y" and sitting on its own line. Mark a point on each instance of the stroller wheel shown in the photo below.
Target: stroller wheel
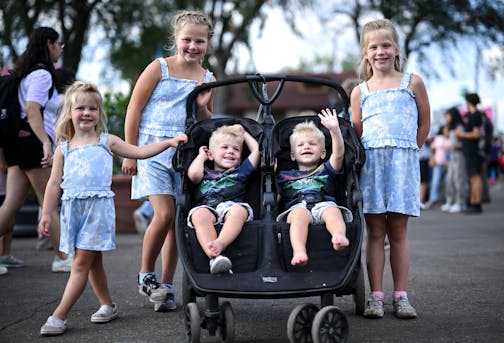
{"x": 226, "y": 323}
{"x": 359, "y": 296}
{"x": 188, "y": 293}
{"x": 329, "y": 326}
{"x": 192, "y": 323}
{"x": 300, "y": 322}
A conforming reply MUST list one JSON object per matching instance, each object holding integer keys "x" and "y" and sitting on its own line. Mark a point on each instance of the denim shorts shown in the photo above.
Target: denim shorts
{"x": 220, "y": 211}
{"x": 316, "y": 211}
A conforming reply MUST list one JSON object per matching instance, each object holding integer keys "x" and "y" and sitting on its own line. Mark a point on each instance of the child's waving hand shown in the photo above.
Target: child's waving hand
{"x": 328, "y": 119}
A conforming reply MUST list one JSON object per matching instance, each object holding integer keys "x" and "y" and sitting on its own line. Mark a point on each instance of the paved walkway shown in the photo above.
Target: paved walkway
{"x": 456, "y": 281}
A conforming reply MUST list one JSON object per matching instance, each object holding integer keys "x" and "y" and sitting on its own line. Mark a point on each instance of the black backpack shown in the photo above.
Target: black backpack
{"x": 10, "y": 109}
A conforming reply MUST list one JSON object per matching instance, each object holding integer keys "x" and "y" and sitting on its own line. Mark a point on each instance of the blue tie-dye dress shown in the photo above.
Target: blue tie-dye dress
{"x": 87, "y": 208}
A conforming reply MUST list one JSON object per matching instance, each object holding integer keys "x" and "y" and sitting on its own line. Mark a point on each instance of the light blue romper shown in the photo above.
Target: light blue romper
{"x": 163, "y": 117}
{"x": 390, "y": 178}
{"x": 87, "y": 208}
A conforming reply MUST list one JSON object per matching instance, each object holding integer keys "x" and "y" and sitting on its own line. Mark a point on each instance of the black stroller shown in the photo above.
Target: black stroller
{"x": 261, "y": 254}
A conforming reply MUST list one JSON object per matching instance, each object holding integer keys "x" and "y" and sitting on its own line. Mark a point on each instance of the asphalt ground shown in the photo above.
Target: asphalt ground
{"x": 455, "y": 282}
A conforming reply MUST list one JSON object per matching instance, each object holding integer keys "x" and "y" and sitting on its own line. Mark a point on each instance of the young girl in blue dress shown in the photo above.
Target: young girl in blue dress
{"x": 156, "y": 111}
{"x": 82, "y": 168}
{"x": 391, "y": 114}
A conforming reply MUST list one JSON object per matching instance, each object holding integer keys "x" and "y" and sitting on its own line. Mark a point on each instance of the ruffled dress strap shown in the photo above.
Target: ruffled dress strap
{"x": 364, "y": 89}
{"x": 164, "y": 68}
{"x": 405, "y": 81}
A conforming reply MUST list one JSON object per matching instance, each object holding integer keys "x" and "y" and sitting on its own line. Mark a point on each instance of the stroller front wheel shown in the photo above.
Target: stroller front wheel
{"x": 329, "y": 325}
{"x": 300, "y": 322}
{"x": 192, "y": 323}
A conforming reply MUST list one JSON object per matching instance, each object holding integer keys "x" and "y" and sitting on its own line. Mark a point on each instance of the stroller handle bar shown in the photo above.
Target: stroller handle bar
{"x": 253, "y": 80}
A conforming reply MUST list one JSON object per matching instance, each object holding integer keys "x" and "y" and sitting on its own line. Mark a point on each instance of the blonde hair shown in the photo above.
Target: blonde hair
{"x": 307, "y": 128}
{"x": 64, "y": 125}
{"x": 195, "y": 17}
{"x": 225, "y": 132}
{"x": 375, "y": 25}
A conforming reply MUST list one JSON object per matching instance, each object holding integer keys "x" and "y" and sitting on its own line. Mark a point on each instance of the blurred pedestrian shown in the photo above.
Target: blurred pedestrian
{"x": 470, "y": 146}
{"x": 456, "y": 175}
{"x": 29, "y": 156}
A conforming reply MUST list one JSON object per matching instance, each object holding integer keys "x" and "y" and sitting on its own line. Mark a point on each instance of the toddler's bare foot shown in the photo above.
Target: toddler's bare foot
{"x": 215, "y": 247}
{"x": 299, "y": 259}
{"x": 339, "y": 241}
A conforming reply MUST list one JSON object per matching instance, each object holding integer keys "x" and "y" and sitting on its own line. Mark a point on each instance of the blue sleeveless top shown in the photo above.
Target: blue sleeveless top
{"x": 389, "y": 117}
{"x": 165, "y": 112}
{"x": 87, "y": 171}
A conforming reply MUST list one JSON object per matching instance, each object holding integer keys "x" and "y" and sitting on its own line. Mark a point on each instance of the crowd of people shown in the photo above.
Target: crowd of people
{"x": 62, "y": 137}
{"x": 461, "y": 161}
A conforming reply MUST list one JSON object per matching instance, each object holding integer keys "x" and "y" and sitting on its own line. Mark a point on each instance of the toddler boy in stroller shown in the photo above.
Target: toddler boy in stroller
{"x": 303, "y": 190}
{"x": 220, "y": 191}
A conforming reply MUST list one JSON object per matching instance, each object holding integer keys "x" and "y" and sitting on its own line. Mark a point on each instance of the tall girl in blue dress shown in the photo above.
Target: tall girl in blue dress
{"x": 82, "y": 168}
{"x": 157, "y": 111}
{"x": 391, "y": 114}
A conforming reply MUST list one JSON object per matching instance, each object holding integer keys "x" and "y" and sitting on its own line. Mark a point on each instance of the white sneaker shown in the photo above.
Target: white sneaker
{"x": 53, "y": 327}
{"x": 3, "y": 270}
{"x": 220, "y": 264}
{"x": 105, "y": 314}
{"x": 62, "y": 266}
{"x": 455, "y": 208}
{"x": 445, "y": 207}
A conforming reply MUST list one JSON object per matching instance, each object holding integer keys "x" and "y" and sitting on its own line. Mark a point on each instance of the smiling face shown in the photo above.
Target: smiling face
{"x": 85, "y": 113}
{"x": 307, "y": 149}
{"x": 381, "y": 51}
{"x": 192, "y": 42}
{"x": 226, "y": 152}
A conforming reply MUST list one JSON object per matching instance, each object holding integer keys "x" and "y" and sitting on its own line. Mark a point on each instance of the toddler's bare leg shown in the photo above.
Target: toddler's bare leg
{"x": 204, "y": 220}
{"x": 233, "y": 224}
{"x": 299, "y": 219}
{"x": 336, "y": 226}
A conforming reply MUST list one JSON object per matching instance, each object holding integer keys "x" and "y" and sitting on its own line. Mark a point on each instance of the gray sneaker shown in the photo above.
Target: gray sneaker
{"x": 220, "y": 264}
{"x": 403, "y": 309}
{"x": 374, "y": 307}
{"x": 151, "y": 288}
{"x": 166, "y": 306}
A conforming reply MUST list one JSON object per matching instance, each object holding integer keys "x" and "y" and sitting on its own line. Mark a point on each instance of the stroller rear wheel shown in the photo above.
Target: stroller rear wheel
{"x": 329, "y": 326}
{"x": 226, "y": 323}
{"x": 192, "y": 323}
{"x": 359, "y": 296}
{"x": 300, "y": 322}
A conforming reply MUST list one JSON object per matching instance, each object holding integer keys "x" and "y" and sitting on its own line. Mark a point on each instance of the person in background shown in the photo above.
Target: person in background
{"x": 439, "y": 158}
{"x": 142, "y": 216}
{"x": 456, "y": 176}
{"x": 391, "y": 115}
{"x": 29, "y": 156}
{"x": 493, "y": 160}
{"x": 83, "y": 170}
{"x": 156, "y": 111}
{"x": 470, "y": 147}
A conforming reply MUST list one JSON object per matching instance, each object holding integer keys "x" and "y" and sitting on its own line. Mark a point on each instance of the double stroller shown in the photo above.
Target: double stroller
{"x": 262, "y": 252}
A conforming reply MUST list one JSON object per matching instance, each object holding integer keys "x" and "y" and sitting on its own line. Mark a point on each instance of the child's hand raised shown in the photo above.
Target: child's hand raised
{"x": 239, "y": 128}
{"x": 203, "y": 151}
{"x": 328, "y": 119}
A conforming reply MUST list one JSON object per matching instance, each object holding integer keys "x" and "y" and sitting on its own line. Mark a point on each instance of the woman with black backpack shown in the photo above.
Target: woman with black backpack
{"x": 29, "y": 154}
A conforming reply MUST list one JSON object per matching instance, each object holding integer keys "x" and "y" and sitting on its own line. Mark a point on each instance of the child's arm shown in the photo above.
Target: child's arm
{"x": 197, "y": 167}
{"x": 144, "y": 87}
{"x": 355, "y": 103}
{"x": 52, "y": 192}
{"x": 330, "y": 121}
{"x": 123, "y": 149}
{"x": 422, "y": 101}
